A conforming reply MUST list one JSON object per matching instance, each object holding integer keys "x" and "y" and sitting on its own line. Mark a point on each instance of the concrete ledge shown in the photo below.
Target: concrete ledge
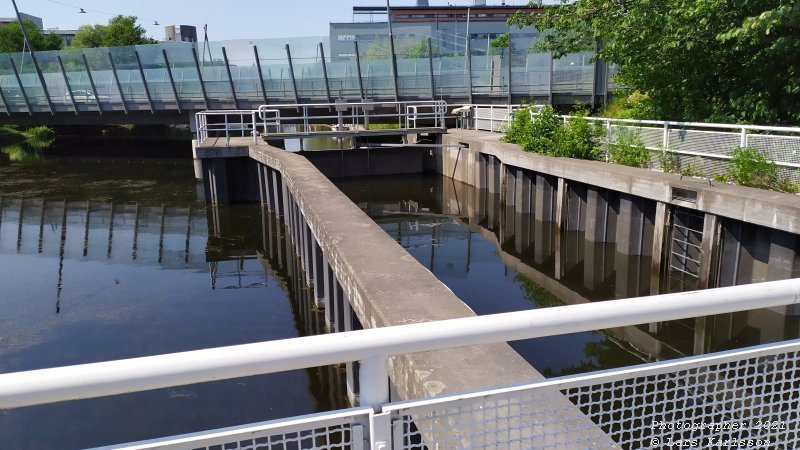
{"x": 770, "y": 209}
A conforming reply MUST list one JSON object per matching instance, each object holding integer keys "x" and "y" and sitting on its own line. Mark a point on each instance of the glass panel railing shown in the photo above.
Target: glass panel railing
{"x": 130, "y": 79}
{"x": 185, "y": 71}
{"x": 343, "y": 70}
{"x": 376, "y": 68}
{"x": 156, "y": 74}
{"x": 413, "y": 67}
{"x": 79, "y": 81}
{"x": 244, "y": 73}
{"x": 12, "y": 92}
{"x": 103, "y": 76}
{"x": 573, "y": 73}
{"x": 275, "y": 70}
{"x": 215, "y": 75}
{"x": 54, "y": 80}
{"x": 530, "y": 68}
{"x": 30, "y": 82}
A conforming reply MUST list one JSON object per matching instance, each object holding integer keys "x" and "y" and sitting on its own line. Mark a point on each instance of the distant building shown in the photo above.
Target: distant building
{"x": 37, "y": 21}
{"x": 180, "y": 33}
{"x": 66, "y": 35}
{"x": 445, "y": 25}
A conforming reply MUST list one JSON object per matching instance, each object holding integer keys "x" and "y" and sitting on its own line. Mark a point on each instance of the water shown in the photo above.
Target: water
{"x": 497, "y": 261}
{"x": 109, "y": 258}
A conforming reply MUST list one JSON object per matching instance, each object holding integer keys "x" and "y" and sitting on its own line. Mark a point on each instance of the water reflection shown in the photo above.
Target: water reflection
{"x": 499, "y": 259}
{"x": 106, "y": 259}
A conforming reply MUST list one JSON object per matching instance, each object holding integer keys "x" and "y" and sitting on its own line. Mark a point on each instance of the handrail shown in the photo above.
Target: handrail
{"x": 374, "y": 346}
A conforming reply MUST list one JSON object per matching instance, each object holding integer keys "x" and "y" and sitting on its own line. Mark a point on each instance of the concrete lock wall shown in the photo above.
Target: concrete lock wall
{"x": 361, "y": 277}
{"x": 695, "y": 233}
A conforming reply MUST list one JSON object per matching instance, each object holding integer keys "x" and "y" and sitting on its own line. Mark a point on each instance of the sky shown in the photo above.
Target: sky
{"x": 232, "y": 19}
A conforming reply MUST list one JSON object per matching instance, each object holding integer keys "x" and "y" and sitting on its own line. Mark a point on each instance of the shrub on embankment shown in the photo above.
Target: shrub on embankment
{"x": 546, "y": 133}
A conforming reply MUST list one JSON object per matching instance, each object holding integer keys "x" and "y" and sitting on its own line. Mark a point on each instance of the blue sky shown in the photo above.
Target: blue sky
{"x": 233, "y": 19}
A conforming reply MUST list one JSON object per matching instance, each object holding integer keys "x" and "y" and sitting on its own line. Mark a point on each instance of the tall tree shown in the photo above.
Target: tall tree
{"x": 120, "y": 31}
{"x": 11, "y": 39}
{"x": 695, "y": 60}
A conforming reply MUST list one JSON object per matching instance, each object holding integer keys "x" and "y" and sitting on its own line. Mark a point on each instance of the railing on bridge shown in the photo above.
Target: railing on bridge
{"x": 749, "y": 396}
{"x": 242, "y": 74}
{"x": 701, "y": 149}
{"x": 309, "y": 119}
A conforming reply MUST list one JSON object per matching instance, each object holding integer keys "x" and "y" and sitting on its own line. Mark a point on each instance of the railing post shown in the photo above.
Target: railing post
{"x": 291, "y": 74}
{"x": 66, "y": 81}
{"x": 373, "y": 381}
{"x": 144, "y": 81}
{"x": 509, "y": 71}
{"x": 468, "y": 53}
{"x": 255, "y": 132}
{"x": 21, "y": 89}
{"x": 172, "y": 80}
{"x": 608, "y": 137}
{"x": 200, "y": 77}
{"x": 491, "y": 118}
{"x": 430, "y": 69}
{"x": 227, "y": 136}
{"x": 743, "y": 138}
{"x": 91, "y": 83}
{"x": 119, "y": 86}
{"x": 230, "y": 78}
{"x": 665, "y": 140}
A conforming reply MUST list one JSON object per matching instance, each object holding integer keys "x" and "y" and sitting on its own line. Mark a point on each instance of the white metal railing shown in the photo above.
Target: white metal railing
{"x": 349, "y": 116}
{"x": 227, "y": 123}
{"x": 747, "y": 384}
{"x": 706, "y": 145}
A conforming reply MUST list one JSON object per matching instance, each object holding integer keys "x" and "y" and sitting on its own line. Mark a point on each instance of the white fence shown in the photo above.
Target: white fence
{"x": 699, "y": 148}
{"x": 307, "y": 119}
{"x": 757, "y": 389}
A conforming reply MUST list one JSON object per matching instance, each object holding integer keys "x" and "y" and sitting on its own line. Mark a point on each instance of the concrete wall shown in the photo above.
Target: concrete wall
{"x": 694, "y": 233}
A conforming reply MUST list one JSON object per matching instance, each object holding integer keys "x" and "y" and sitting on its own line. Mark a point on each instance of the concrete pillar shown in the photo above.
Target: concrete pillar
{"x": 543, "y": 219}
{"x": 707, "y": 250}
{"x": 630, "y": 225}
{"x": 278, "y": 200}
{"x": 507, "y": 218}
{"x": 561, "y": 194}
{"x": 327, "y": 298}
{"x": 198, "y": 164}
{"x": 219, "y": 173}
{"x": 658, "y": 248}
{"x": 783, "y": 263}
{"x": 596, "y": 214}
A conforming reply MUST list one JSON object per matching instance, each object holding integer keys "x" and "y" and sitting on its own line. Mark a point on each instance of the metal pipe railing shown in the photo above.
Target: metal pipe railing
{"x": 374, "y": 346}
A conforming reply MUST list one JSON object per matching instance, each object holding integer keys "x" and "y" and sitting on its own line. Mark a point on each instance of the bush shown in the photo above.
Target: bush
{"x": 41, "y": 133}
{"x": 578, "y": 138}
{"x": 519, "y": 127}
{"x": 544, "y": 132}
{"x": 751, "y": 167}
{"x": 628, "y": 150}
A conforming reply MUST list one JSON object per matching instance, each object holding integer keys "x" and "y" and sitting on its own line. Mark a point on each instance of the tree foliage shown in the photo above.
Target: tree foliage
{"x": 11, "y": 39}
{"x": 408, "y": 49}
{"x": 694, "y": 60}
{"x": 120, "y": 31}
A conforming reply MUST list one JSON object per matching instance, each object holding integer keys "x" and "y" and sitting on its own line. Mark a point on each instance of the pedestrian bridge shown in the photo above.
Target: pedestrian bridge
{"x": 165, "y": 83}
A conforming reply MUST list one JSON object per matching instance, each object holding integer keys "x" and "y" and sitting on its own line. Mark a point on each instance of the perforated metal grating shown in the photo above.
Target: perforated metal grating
{"x": 738, "y": 399}
{"x": 341, "y": 430}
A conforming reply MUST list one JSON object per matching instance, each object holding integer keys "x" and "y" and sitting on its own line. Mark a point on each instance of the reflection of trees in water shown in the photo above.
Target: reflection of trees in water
{"x": 28, "y": 146}
{"x": 607, "y": 353}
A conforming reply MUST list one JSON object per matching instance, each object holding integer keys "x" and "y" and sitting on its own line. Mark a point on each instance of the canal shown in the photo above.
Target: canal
{"x": 114, "y": 257}
{"x": 105, "y": 258}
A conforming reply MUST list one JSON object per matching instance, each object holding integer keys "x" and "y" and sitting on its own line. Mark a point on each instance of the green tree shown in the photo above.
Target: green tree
{"x": 699, "y": 60}
{"x": 120, "y": 31}
{"x": 11, "y": 39}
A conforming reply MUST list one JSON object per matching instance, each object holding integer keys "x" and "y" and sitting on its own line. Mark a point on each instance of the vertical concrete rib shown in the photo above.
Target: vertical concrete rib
{"x": 659, "y": 230}
{"x": 707, "y": 249}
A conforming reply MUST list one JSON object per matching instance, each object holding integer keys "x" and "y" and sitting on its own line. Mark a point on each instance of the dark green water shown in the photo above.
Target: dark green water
{"x": 110, "y": 258}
